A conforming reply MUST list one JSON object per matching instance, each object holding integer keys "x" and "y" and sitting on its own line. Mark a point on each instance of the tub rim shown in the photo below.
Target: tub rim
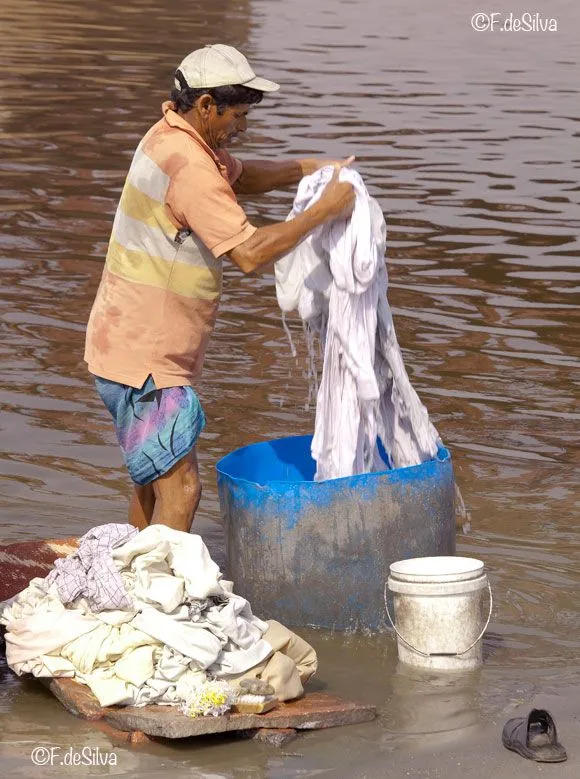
{"x": 443, "y": 456}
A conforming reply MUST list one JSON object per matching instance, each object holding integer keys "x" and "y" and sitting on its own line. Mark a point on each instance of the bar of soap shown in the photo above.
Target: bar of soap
{"x": 255, "y": 704}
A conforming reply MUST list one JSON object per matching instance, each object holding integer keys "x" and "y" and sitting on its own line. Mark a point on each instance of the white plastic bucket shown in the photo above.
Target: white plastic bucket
{"x": 439, "y": 611}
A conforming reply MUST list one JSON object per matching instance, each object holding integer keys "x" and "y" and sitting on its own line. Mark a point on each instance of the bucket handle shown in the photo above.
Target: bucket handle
{"x": 440, "y": 654}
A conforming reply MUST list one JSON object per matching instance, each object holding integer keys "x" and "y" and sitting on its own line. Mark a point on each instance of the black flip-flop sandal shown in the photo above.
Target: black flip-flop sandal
{"x": 534, "y": 737}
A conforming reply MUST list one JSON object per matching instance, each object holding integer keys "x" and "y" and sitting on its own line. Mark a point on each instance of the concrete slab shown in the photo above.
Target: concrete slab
{"x": 314, "y": 711}
{"x": 77, "y": 698}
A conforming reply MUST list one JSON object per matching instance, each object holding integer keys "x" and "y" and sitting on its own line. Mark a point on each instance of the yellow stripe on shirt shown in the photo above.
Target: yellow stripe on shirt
{"x": 191, "y": 281}
{"x": 137, "y": 205}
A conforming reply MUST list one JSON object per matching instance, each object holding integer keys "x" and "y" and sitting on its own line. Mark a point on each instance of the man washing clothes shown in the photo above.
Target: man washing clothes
{"x": 158, "y": 298}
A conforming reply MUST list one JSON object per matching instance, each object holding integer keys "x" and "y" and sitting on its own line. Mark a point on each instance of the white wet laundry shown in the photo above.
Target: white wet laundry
{"x": 154, "y": 651}
{"x": 337, "y": 280}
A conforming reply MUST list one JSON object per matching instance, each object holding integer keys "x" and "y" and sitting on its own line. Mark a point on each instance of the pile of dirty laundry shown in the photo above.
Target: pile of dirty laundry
{"x": 146, "y": 617}
{"x": 337, "y": 281}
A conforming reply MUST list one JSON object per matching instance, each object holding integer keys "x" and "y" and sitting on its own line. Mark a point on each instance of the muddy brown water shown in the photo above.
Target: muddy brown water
{"x": 470, "y": 141}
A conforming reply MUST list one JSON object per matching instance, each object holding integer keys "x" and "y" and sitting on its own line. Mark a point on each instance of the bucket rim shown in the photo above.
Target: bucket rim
{"x": 442, "y": 456}
{"x": 439, "y": 569}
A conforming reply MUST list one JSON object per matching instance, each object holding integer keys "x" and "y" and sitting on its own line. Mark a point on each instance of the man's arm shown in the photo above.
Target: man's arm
{"x": 271, "y": 242}
{"x": 259, "y": 176}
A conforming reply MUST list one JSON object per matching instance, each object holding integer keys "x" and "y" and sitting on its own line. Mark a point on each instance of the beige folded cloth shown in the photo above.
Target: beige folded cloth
{"x": 292, "y": 662}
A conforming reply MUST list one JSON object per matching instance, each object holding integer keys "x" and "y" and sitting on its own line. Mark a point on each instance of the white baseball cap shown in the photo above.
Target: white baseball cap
{"x": 218, "y": 65}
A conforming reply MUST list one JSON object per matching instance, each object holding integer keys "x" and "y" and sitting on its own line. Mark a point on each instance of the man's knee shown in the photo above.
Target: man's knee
{"x": 182, "y": 489}
{"x": 192, "y": 487}
{"x": 177, "y": 494}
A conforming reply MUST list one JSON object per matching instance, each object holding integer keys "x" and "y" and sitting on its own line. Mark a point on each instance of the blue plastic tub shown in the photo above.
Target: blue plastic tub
{"x": 318, "y": 553}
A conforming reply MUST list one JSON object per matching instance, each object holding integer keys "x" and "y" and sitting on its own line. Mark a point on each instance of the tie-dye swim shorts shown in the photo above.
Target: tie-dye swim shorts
{"x": 155, "y": 428}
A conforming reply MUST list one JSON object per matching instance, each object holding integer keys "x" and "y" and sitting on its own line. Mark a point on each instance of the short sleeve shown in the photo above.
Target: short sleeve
{"x": 201, "y": 198}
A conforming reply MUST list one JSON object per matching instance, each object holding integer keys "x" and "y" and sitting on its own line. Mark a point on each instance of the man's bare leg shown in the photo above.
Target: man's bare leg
{"x": 141, "y": 506}
{"x": 177, "y": 494}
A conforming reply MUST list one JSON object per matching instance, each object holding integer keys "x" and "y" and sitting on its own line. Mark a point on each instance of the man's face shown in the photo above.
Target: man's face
{"x": 224, "y": 127}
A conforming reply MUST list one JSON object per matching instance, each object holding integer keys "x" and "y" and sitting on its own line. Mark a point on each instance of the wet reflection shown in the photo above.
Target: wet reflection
{"x": 427, "y": 703}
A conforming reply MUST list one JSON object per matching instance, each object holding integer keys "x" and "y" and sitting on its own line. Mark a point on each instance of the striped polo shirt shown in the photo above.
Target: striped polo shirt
{"x": 159, "y": 293}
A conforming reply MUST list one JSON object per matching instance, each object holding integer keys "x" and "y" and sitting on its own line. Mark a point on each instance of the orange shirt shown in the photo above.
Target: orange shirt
{"x": 158, "y": 297}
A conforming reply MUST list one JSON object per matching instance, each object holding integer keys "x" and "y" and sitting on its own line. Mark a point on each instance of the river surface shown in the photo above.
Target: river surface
{"x": 470, "y": 141}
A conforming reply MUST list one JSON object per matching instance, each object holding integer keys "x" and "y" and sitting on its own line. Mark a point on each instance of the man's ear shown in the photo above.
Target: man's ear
{"x": 204, "y": 104}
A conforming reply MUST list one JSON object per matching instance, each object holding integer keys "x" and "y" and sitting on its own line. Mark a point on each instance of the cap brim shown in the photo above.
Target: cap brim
{"x": 262, "y": 85}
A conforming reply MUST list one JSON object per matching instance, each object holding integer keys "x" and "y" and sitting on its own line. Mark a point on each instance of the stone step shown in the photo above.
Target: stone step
{"x": 314, "y": 711}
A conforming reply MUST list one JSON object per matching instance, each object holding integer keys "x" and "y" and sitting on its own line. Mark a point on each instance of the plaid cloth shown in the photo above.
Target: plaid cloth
{"x": 91, "y": 572}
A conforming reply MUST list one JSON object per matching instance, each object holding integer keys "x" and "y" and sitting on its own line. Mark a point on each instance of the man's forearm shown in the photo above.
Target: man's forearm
{"x": 271, "y": 242}
{"x": 259, "y": 176}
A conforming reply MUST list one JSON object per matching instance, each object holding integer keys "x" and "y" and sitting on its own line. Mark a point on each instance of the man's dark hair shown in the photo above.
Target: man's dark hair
{"x": 185, "y": 97}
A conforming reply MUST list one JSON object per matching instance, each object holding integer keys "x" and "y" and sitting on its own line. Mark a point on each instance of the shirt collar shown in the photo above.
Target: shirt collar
{"x": 173, "y": 119}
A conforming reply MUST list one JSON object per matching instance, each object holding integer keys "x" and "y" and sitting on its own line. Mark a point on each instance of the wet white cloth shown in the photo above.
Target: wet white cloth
{"x": 154, "y": 651}
{"x": 337, "y": 280}
{"x": 90, "y": 571}
{"x": 37, "y": 624}
{"x": 168, "y": 566}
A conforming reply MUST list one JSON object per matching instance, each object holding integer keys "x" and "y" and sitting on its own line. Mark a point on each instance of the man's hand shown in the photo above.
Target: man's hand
{"x": 311, "y": 165}
{"x": 337, "y": 200}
